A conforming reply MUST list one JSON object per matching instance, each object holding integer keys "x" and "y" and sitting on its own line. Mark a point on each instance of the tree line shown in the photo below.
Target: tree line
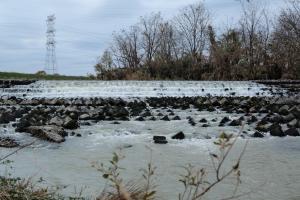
{"x": 188, "y": 47}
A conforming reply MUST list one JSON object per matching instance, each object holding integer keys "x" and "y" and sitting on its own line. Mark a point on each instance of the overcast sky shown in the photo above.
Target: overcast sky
{"x": 84, "y": 28}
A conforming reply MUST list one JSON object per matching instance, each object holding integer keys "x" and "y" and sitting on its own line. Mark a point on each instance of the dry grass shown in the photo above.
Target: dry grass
{"x": 16, "y": 189}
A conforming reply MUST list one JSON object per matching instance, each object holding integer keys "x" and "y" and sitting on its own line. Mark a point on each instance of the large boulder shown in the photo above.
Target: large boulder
{"x": 160, "y": 139}
{"x": 258, "y": 135}
{"x": 56, "y": 121}
{"x": 235, "y": 123}
{"x": 292, "y": 132}
{"x": 178, "y": 136}
{"x": 224, "y": 120}
{"x": 288, "y": 118}
{"x": 70, "y": 123}
{"x": 284, "y": 110}
{"x": 294, "y": 124}
{"x": 276, "y": 130}
{"x": 50, "y": 133}
{"x": 295, "y": 111}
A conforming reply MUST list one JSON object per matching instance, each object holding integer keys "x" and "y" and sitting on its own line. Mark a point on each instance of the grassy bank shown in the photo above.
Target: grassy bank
{"x": 23, "y": 76}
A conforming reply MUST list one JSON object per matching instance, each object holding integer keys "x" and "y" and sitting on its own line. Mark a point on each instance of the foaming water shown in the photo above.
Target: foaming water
{"x": 126, "y": 89}
{"x": 270, "y": 167}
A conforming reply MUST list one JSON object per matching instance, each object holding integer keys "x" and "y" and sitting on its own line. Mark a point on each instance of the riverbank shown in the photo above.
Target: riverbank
{"x": 22, "y": 76}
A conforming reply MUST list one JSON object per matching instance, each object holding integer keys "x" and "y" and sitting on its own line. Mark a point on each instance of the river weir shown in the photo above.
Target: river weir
{"x": 76, "y": 123}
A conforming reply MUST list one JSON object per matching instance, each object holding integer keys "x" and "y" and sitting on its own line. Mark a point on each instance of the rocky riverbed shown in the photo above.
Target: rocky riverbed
{"x": 55, "y": 119}
{"x": 71, "y": 132}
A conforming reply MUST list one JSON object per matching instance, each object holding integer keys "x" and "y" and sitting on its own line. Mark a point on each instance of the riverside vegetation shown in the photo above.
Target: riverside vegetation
{"x": 187, "y": 47}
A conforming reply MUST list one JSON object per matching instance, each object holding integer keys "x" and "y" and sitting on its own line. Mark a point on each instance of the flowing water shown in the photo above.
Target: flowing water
{"x": 270, "y": 167}
{"x": 127, "y": 89}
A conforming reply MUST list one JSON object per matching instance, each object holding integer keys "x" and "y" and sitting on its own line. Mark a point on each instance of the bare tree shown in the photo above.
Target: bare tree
{"x": 286, "y": 40}
{"x": 126, "y": 49}
{"x": 252, "y": 23}
{"x": 150, "y": 29}
{"x": 192, "y": 23}
{"x": 168, "y": 47}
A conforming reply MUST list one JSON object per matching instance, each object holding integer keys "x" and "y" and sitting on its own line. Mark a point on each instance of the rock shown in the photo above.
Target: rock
{"x": 78, "y": 135}
{"x": 192, "y": 121}
{"x": 284, "y": 110}
{"x": 214, "y": 120}
{"x": 203, "y": 120}
{"x": 258, "y": 135}
{"x": 165, "y": 118}
{"x": 160, "y": 139}
{"x": 262, "y": 128}
{"x": 160, "y": 115}
{"x": 223, "y": 102}
{"x": 146, "y": 114}
{"x": 294, "y": 124}
{"x": 276, "y": 130}
{"x": 205, "y": 125}
{"x": 84, "y": 117}
{"x": 211, "y": 109}
{"x": 224, "y": 120}
{"x": 178, "y": 136}
{"x": 49, "y": 133}
{"x": 295, "y": 111}
{"x": 263, "y": 110}
{"x": 56, "y": 121}
{"x": 176, "y": 118}
{"x": 288, "y": 118}
{"x": 252, "y": 110}
{"x": 242, "y": 118}
{"x": 292, "y": 132}
{"x": 235, "y": 123}
{"x": 70, "y": 123}
{"x": 8, "y": 143}
{"x": 152, "y": 118}
{"x": 275, "y": 119}
{"x": 140, "y": 119}
{"x": 252, "y": 119}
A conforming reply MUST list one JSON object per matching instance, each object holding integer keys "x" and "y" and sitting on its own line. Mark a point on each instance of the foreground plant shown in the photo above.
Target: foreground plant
{"x": 195, "y": 180}
{"x": 118, "y": 190}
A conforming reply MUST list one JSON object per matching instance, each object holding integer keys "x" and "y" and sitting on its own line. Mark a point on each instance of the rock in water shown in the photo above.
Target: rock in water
{"x": 203, "y": 120}
{"x": 70, "y": 123}
{"x": 160, "y": 139}
{"x": 235, "y": 123}
{"x": 176, "y": 118}
{"x": 165, "y": 118}
{"x": 179, "y": 136}
{"x": 258, "y": 135}
{"x": 292, "y": 132}
{"x": 224, "y": 120}
{"x": 276, "y": 130}
{"x": 49, "y": 133}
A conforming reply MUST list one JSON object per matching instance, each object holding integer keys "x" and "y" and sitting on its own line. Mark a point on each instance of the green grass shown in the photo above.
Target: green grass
{"x": 23, "y": 76}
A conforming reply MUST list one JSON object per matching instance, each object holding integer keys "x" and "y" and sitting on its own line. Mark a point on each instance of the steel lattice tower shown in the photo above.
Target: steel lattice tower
{"x": 51, "y": 63}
